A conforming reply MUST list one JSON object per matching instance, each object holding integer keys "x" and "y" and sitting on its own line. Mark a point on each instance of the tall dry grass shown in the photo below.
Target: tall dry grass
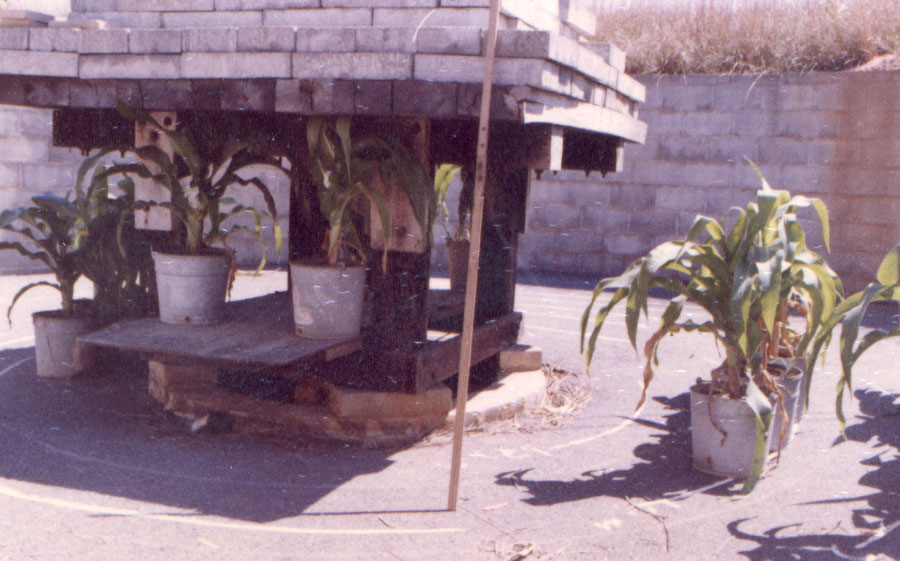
{"x": 749, "y": 37}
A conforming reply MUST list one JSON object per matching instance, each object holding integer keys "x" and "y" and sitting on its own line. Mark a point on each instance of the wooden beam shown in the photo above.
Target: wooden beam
{"x": 145, "y": 189}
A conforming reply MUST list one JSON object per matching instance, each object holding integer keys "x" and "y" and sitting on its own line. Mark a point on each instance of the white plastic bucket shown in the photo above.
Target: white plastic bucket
{"x": 729, "y": 454}
{"x": 327, "y": 300}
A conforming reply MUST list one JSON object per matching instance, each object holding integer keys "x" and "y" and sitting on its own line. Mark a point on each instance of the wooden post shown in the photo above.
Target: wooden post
{"x": 145, "y": 189}
{"x": 465, "y": 355}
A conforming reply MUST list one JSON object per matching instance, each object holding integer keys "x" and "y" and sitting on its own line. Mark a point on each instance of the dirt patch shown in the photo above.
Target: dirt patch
{"x": 890, "y": 61}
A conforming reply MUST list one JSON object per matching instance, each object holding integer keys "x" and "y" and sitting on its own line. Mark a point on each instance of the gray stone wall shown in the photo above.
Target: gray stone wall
{"x": 830, "y": 135}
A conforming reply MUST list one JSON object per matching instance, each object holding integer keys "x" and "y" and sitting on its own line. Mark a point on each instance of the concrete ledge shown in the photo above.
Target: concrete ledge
{"x": 504, "y": 400}
{"x": 521, "y": 358}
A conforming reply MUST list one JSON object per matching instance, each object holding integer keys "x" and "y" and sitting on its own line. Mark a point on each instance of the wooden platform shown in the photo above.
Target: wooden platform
{"x": 257, "y": 334}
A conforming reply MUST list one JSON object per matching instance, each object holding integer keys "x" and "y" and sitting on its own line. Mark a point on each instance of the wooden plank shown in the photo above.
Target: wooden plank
{"x": 145, "y": 189}
{"x": 437, "y": 360}
{"x": 258, "y": 333}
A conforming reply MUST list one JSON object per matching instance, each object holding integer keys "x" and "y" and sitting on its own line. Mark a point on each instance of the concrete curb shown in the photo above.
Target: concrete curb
{"x": 512, "y": 394}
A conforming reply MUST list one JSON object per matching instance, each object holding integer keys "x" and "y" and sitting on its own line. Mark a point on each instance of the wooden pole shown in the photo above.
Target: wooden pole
{"x": 465, "y": 353}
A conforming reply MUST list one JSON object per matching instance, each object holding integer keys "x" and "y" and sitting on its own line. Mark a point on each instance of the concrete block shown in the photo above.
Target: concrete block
{"x": 626, "y": 243}
{"x": 581, "y": 242}
{"x": 451, "y": 41}
{"x": 55, "y": 39}
{"x": 211, "y": 19}
{"x": 327, "y": 17}
{"x": 743, "y": 176}
{"x": 682, "y": 148}
{"x": 732, "y": 149}
{"x": 373, "y": 97}
{"x": 420, "y": 98}
{"x": 9, "y": 179}
{"x": 93, "y": 5}
{"x": 510, "y": 396}
{"x": 41, "y": 177}
{"x": 164, "y": 379}
{"x": 14, "y": 38}
{"x": 440, "y": 17}
{"x": 152, "y": 67}
{"x": 709, "y": 123}
{"x": 555, "y": 216}
{"x": 781, "y": 150}
{"x": 326, "y": 40}
{"x": 681, "y": 198}
{"x": 688, "y": 98}
{"x": 120, "y": 19}
{"x": 103, "y": 41}
{"x": 379, "y": 3}
{"x": 20, "y": 150}
{"x": 155, "y": 41}
{"x": 222, "y": 39}
{"x": 348, "y": 402}
{"x": 236, "y": 65}
{"x": 331, "y": 96}
{"x": 743, "y": 95}
{"x": 231, "y": 5}
{"x": 165, "y": 6}
{"x": 813, "y": 124}
{"x": 36, "y": 63}
{"x": 510, "y": 71}
{"x": 634, "y": 197}
{"x": 807, "y": 179}
{"x": 266, "y": 38}
{"x": 162, "y": 95}
{"x": 386, "y": 39}
{"x": 759, "y": 123}
{"x": 358, "y": 66}
{"x": 524, "y": 44}
{"x": 611, "y": 53}
{"x": 290, "y": 97}
{"x": 826, "y": 152}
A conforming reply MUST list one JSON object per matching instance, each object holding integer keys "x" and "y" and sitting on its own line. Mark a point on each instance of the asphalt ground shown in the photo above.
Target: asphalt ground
{"x": 92, "y": 469}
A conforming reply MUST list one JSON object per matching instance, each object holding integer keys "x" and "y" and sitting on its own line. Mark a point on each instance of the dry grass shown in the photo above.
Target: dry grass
{"x": 756, "y": 36}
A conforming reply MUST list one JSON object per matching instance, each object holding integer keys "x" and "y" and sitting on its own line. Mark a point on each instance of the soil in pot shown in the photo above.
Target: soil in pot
{"x": 327, "y": 300}
{"x": 55, "y": 335}
{"x": 191, "y": 288}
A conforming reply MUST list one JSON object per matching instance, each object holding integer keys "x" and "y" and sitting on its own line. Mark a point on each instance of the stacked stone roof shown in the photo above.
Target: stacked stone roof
{"x": 373, "y": 57}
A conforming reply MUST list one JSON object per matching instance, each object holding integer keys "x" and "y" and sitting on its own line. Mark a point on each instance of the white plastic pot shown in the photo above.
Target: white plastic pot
{"x": 729, "y": 454}
{"x": 55, "y": 338}
{"x": 191, "y": 288}
{"x": 792, "y": 383}
{"x": 327, "y": 300}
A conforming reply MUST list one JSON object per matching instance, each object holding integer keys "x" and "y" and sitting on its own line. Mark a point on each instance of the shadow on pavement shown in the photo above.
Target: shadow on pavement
{"x": 102, "y": 433}
{"x": 877, "y": 523}
{"x": 664, "y": 468}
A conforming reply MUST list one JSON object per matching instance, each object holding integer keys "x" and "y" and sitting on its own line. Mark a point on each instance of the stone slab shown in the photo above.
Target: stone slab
{"x": 14, "y": 38}
{"x": 511, "y": 395}
{"x": 269, "y": 38}
{"x": 348, "y": 402}
{"x": 55, "y": 39}
{"x": 521, "y": 358}
{"x": 236, "y": 65}
{"x": 211, "y": 19}
{"x": 451, "y": 41}
{"x": 327, "y": 40}
{"x": 439, "y": 17}
{"x": 325, "y": 17}
{"x": 222, "y": 39}
{"x": 95, "y": 41}
{"x": 358, "y": 66}
{"x": 130, "y": 66}
{"x": 155, "y": 41}
{"x": 164, "y": 5}
{"x": 36, "y": 63}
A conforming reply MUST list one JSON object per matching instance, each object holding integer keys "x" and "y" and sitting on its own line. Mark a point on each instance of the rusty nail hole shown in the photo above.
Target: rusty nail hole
{"x": 154, "y": 136}
{"x": 167, "y": 122}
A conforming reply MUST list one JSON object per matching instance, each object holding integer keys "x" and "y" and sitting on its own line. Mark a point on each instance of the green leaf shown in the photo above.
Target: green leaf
{"x": 762, "y": 414}
{"x": 889, "y": 269}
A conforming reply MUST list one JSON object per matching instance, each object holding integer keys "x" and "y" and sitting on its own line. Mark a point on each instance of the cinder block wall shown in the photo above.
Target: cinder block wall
{"x": 830, "y": 135}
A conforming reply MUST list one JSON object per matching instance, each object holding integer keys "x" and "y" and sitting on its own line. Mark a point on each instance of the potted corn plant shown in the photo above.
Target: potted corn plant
{"x": 193, "y": 277}
{"x": 48, "y": 230}
{"x": 458, "y": 240}
{"x": 328, "y": 291}
{"x": 733, "y": 269}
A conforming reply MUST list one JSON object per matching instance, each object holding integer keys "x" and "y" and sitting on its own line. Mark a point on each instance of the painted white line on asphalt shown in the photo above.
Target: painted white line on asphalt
{"x": 14, "y": 366}
{"x": 244, "y": 526}
{"x": 8, "y": 344}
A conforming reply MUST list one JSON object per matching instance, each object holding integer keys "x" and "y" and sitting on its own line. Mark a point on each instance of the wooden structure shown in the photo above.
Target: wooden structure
{"x": 560, "y": 101}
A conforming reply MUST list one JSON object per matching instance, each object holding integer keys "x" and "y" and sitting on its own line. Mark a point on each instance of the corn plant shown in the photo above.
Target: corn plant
{"x": 213, "y": 162}
{"x": 739, "y": 269}
{"x": 48, "y": 230}
{"x": 849, "y": 314}
{"x": 344, "y": 169}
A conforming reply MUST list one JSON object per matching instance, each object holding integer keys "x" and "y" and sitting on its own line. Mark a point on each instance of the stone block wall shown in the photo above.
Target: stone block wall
{"x": 830, "y": 135}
